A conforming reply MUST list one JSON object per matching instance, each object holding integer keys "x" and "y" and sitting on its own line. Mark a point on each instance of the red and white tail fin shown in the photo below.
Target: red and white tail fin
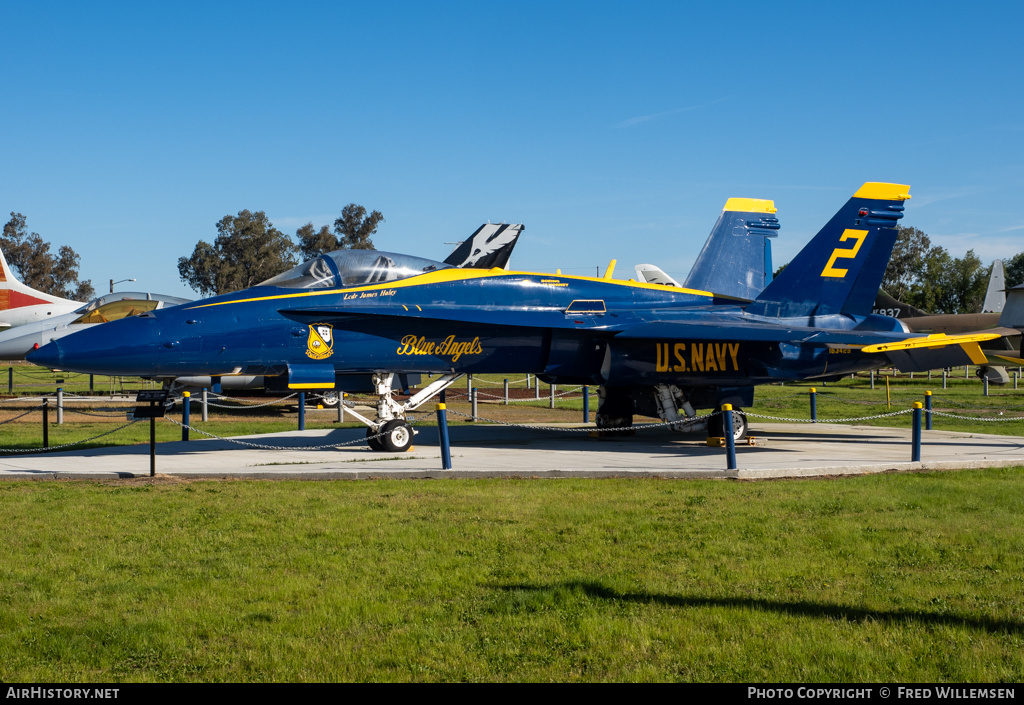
{"x": 21, "y": 304}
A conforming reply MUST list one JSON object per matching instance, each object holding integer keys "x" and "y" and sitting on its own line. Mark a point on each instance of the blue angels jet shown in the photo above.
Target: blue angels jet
{"x": 649, "y": 346}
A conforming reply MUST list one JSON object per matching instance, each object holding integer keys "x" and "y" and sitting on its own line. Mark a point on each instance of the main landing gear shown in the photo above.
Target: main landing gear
{"x": 390, "y": 432}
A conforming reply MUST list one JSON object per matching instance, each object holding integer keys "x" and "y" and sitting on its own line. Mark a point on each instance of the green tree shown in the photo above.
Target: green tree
{"x": 352, "y": 231}
{"x": 1014, "y": 270}
{"x": 906, "y": 266}
{"x": 30, "y": 257}
{"x": 248, "y": 250}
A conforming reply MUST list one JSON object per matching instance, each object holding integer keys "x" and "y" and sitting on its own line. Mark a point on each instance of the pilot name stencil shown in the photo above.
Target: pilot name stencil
{"x": 449, "y": 347}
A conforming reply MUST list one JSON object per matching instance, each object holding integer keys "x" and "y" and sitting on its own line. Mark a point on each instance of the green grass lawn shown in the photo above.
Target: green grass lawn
{"x": 890, "y": 578}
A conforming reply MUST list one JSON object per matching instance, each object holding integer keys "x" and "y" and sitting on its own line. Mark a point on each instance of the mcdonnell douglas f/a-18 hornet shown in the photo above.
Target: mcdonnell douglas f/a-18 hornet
{"x": 651, "y": 347}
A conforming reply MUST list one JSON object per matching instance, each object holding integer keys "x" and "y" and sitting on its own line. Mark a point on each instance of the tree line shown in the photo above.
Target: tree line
{"x": 249, "y": 249}
{"x": 927, "y": 277}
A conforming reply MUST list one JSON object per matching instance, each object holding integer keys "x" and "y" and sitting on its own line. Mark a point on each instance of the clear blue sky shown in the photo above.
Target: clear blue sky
{"x": 611, "y": 129}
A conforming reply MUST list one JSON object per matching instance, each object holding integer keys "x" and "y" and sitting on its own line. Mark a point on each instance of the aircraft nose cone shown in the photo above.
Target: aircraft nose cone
{"x": 49, "y": 355}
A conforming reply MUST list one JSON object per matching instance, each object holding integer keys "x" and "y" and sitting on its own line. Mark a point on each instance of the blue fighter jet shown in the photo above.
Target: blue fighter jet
{"x": 650, "y": 347}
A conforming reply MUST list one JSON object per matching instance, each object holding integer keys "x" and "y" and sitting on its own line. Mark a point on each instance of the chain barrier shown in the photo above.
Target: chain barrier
{"x": 35, "y": 408}
{"x": 752, "y": 415}
{"x": 589, "y": 429}
{"x": 67, "y": 445}
{"x": 241, "y": 402}
{"x": 978, "y": 418}
{"x": 264, "y": 446}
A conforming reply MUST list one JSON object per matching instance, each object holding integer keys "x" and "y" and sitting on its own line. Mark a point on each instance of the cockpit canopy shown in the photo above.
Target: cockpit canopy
{"x": 353, "y": 268}
{"x": 122, "y": 304}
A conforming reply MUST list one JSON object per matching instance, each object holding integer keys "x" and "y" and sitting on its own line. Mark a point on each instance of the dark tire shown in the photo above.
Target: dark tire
{"x": 398, "y": 436}
{"x": 375, "y": 443}
{"x": 716, "y": 426}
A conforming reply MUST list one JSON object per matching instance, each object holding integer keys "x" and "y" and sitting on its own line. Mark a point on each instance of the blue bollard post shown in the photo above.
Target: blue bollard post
{"x": 814, "y": 405}
{"x": 928, "y": 411}
{"x": 915, "y": 453}
{"x": 442, "y": 435}
{"x": 302, "y": 411}
{"x": 46, "y": 422}
{"x": 730, "y": 442}
{"x": 186, "y": 402}
{"x": 586, "y": 404}
{"x": 91, "y": 388}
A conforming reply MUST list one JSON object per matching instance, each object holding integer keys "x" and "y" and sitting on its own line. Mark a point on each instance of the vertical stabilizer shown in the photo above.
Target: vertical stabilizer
{"x": 20, "y": 304}
{"x": 841, "y": 268}
{"x": 490, "y": 246}
{"x": 737, "y": 256}
{"x": 995, "y": 295}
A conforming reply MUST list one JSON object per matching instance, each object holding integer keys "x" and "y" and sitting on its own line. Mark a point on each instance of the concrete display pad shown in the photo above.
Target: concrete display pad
{"x": 781, "y": 450}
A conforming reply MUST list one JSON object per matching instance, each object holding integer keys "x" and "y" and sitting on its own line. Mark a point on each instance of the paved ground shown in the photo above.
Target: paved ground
{"x": 781, "y": 450}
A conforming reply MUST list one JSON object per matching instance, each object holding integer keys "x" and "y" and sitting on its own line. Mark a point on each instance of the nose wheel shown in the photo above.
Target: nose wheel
{"x": 397, "y": 437}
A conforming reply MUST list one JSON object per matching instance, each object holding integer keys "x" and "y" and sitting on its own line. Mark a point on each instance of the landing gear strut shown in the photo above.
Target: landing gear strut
{"x": 390, "y": 421}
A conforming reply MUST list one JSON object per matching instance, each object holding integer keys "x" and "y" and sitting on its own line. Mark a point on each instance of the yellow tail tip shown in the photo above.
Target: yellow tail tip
{"x": 883, "y": 191}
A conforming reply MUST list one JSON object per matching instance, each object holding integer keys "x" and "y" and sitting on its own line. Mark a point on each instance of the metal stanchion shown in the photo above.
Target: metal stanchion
{"x": 469, "y": 384}
{"x": 536, "y": 388}
{"x": 985, "y": 384}
{"x": 46, "y": 423}
{"x": 302, "y": 411}
{"x": 944, "y": 375}
{"x": 551, "y": 392}
{"x": 10, "y": 380}
{"x": 915, "y": 453}
{"x": 814, "y": 405}
{"x": 928, "y": 411}
{"x": 586, "y": 404}
{"x": 341, "y": 406}
{"x": 730, "y": 442}
{"x": 60, "y": 406}
{"x": 872, "y": 379}
{"x": 506, "y": 391}
{"x": 472, "y": 397}
{"x": 91, "y": 388}
{"x": 442, "y": 436}
{"x": 206, "y": 410}
{"x": 186, "y": 403}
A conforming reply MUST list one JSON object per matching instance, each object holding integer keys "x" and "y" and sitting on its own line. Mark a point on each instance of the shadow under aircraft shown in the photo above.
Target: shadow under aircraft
{"x": 362, "y": 311}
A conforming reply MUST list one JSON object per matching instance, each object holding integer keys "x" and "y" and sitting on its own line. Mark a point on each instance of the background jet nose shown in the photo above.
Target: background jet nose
{"x": 49, "y": 355}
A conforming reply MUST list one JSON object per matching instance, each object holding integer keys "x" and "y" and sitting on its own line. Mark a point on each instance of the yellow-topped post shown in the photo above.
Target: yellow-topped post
{"x": 915, "y": 452}
{"x": 442, "y": 436}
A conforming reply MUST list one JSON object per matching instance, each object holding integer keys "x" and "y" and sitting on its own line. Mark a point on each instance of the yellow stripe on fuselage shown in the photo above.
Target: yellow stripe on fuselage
{"x": 444, "y": 276}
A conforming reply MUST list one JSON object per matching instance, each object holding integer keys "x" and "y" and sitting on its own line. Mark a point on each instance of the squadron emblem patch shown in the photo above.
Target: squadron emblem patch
{"x": 320, "y": 343}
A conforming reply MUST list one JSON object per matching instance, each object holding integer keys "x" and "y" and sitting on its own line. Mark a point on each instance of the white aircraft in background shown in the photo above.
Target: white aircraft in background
{"x": 16, "y": 343}
{"x": 20, "y": 304}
